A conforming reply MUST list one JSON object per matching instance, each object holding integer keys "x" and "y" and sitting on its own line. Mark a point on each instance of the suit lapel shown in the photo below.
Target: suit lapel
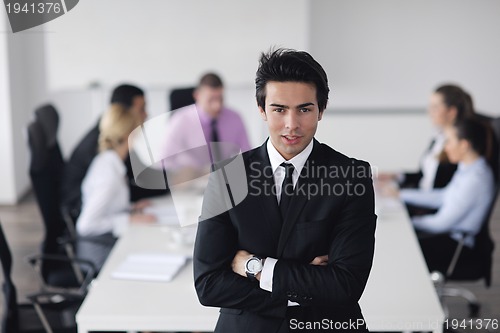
{"x": 300, "y": 197}
{"x": 263, "y": 173}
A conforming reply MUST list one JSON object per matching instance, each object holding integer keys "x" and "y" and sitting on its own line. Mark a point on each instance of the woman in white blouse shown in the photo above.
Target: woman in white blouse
{"x": 464, "y": 203}
{"x": 447, "y": 105}
{"x": 105, "y": 194}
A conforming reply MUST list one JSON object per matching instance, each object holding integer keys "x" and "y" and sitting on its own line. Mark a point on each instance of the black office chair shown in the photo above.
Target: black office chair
{"x": 46, "y": 312}
{"x": 181, "y": 97}
{"x": 57, "y": 264}
{"x": 477, "y": 265}
{"x": 59, "y": 224}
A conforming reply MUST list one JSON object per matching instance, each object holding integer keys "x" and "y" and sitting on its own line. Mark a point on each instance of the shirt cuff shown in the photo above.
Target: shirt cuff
{"x": 266, "y": 277}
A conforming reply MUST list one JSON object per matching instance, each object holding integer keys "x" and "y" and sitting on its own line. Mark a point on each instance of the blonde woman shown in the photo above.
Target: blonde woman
{"x": 105, "y": 194}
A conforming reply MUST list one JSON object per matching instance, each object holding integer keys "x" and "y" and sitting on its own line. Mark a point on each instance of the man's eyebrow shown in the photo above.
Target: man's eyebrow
{"x": 286, "y": 107}
{"x": 279, "y": 105}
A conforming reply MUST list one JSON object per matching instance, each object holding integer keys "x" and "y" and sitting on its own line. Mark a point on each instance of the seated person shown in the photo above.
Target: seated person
{"x": 191, "y": 129}
{"x": 79, "y": 162}
{"x": 105, "y": 192}
{"x": 464, "y": 203}
{"x": 448, "y": 104}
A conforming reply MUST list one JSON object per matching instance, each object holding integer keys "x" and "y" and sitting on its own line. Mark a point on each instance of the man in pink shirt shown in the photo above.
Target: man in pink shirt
{"x": 205, "y": 132}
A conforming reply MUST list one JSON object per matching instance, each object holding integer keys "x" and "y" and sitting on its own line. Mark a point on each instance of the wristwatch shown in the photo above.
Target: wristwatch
{"x": 253, "y": 266}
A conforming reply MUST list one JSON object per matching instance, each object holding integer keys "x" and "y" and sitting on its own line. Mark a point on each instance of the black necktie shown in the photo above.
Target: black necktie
{"x": 286, "y": 189}
{"x": 214, "y": 134}
{"x": 213, "y": 145}
{"x": 433, "y": 142}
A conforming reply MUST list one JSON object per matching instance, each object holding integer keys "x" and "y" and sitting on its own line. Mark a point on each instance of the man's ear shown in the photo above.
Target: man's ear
{"x": 263, "y": 114}
{"x": 195, "y": 94}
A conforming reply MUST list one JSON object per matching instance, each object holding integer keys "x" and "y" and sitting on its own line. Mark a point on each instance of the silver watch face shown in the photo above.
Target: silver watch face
{"x": 254, "y": 265}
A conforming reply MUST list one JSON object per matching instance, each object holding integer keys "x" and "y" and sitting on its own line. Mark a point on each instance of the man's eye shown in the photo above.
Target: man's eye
{"x": 278, "y": 110}
{"x": 305, "y": 110}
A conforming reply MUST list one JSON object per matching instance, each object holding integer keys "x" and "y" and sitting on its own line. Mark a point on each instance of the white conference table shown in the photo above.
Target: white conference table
{"x": 399, "y": 295}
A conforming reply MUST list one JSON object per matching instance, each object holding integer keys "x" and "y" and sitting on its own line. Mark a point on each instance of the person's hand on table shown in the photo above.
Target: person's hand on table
{"x": 241, "y": 257}
{"x": 389, "y": 190}
{"x": 142, "y": 218}
{"x": 141, "y": 204}
{"x": 387, "y": 176}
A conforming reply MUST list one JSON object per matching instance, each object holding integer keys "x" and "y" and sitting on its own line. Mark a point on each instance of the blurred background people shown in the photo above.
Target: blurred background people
{"x": 191, "y": 129}
{"x": 105, "y": 193}
{"x": 448, "y": 104}
{"x": 463, "y": 204}
{"x": 76, "y": 167}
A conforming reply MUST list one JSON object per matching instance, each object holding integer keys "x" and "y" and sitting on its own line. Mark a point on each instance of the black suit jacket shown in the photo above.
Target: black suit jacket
{"x": 339, "y": 222}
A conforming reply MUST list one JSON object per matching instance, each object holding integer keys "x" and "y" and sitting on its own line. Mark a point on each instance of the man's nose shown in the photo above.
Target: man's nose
{"x": 292, "y": 120}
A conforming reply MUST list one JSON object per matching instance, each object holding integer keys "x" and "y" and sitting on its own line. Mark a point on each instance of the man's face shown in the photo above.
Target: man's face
{"x": 292, "y": 115}
{"x": 139, "y": 107}
{"x": 210, "y": 99}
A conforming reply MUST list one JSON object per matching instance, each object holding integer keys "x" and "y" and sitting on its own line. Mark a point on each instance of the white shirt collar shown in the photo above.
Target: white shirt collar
{"x": 115, "y": 160}
{"x": 298, "y": 160}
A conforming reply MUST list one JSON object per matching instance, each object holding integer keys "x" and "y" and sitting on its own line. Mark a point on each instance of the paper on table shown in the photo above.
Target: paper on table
{"x": 150, "y": 267}
{"x": 165, "y": 214}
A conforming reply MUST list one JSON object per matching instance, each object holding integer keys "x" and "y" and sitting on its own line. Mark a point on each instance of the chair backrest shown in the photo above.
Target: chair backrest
{"x": 10, "y": 315}
{"x": 484, "y": 244}
{"x": 49, "y": 119}
{"x": 181, "y": 97}
{"x": 495, "y": 125}
{"x": 46, "y": 168}
{"x": 483, "y": 117}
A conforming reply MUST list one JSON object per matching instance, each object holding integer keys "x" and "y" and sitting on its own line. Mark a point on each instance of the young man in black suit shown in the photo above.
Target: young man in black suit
{"x": 296, "y": 252}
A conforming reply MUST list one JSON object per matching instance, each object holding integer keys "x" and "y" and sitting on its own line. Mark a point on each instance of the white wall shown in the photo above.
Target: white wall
{"x": 157, "y": 42}
{"x": 27, "y": 91}
{"x": 22, "y": 88}
{"x": 392, "y": 53}
{"x": 388, "y": 142}
{"x": 7, "y": 182}
{"x": 385, "y": 54}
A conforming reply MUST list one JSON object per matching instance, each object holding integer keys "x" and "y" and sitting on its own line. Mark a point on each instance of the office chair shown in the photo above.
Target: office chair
{"x": 61, "y": 236}
{"x": 484, "y": 117}
{"x": 181, "y": 97}
{"x": 478, "y": 266}
{"x": 47, "y": 311}
{"x": 57, "y": 264}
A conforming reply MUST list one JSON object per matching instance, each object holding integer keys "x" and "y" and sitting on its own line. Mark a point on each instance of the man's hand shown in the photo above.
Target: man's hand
{"x": 140, "y": 205}
{"x": 241, "y": 257}
{"x": 142, "y": 218}
{"x": 320, "y": 261}
{"x": 239, "y": 260}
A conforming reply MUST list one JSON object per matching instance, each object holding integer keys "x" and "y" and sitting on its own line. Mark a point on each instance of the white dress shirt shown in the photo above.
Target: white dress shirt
{"x": 430, "y": 162}
{"x": 298, "y": 161}
{"x": 463, "y": 203}
{"x": 105, "y": 197}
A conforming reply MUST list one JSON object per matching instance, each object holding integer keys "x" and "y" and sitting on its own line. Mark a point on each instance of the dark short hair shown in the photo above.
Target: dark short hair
{"x": 287, "y": 65}
{"x": 211, "y": 80}
{"x": 125, "y": 93}
{"x": 478, "y": 134}
{"x": 454, "y": 95}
